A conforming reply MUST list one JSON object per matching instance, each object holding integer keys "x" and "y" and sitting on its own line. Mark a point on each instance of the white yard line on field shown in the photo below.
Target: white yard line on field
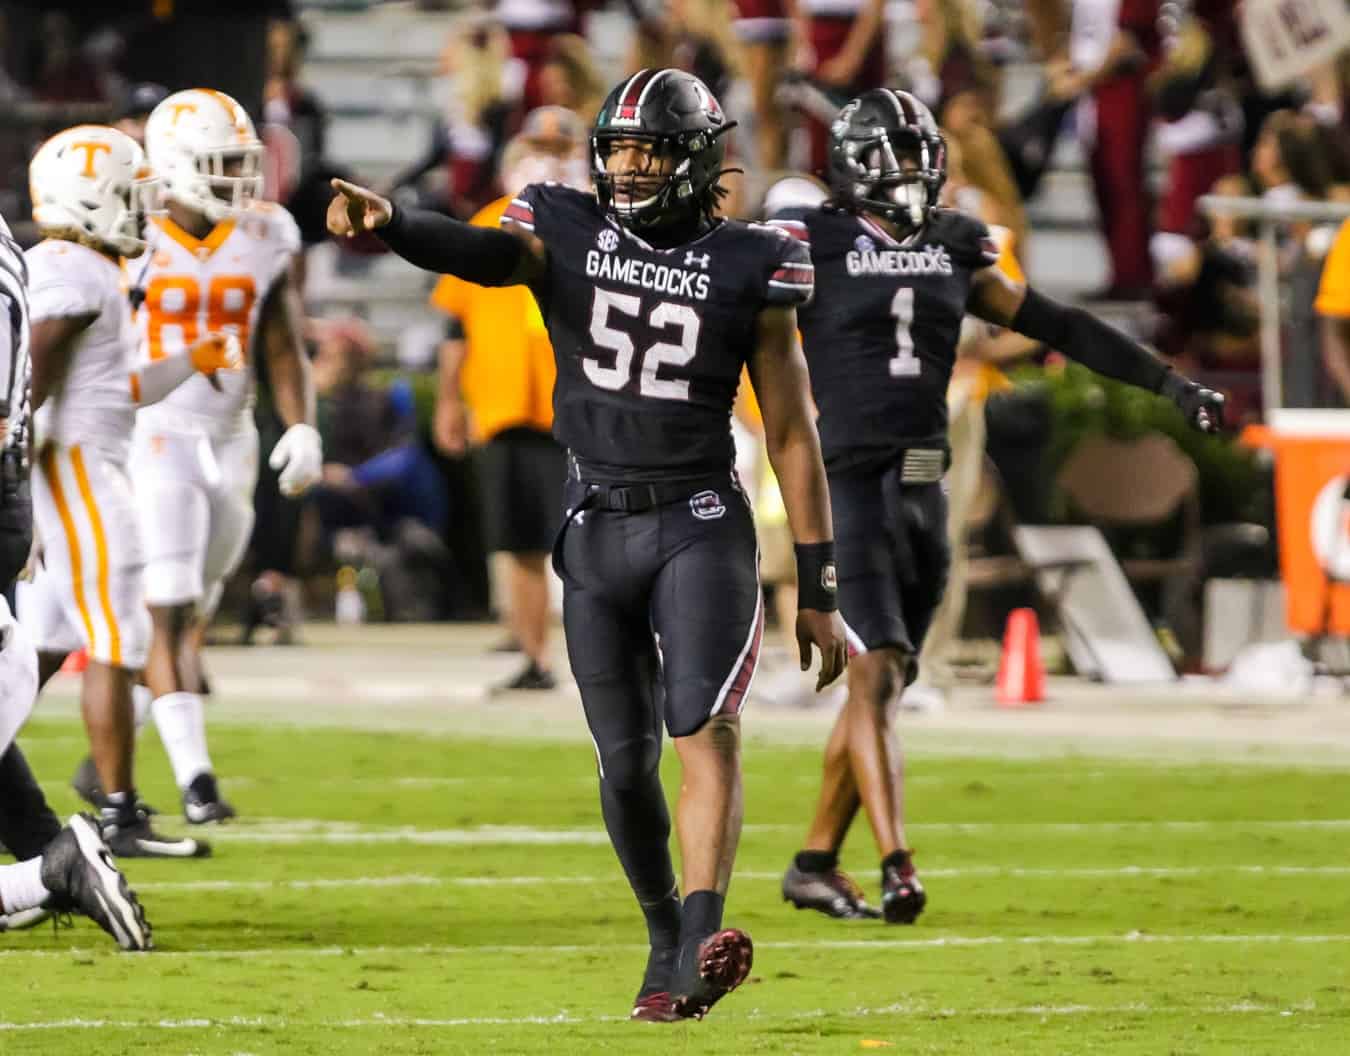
{"x": 564, "y": 1019}
{"x": 951, "y": 942}
{"x": 309, "y": 830}
{"x": 957, "y": 872}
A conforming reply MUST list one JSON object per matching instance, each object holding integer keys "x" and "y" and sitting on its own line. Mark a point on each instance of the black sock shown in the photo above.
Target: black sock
{"x": 27, "y": 823}
{"x": 119, "y": 808}
{"x": 817, "y": 861}
{"x": 663, "y": 921}
{"x": 900, "y": 860}
{"x": 660, "y": 968}
{"x": 702, "y": 914}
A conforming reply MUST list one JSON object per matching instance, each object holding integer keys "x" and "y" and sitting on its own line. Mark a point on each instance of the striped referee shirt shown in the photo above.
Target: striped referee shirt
{"x": 15, "y": 369}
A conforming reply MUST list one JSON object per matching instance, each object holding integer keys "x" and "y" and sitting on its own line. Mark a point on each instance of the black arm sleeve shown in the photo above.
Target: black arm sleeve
{"x": 485, "y": 255}
{"x": 1083, "y": 337}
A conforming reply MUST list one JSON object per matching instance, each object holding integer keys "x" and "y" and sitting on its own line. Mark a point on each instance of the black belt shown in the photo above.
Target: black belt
{"x": 637, "y": 498}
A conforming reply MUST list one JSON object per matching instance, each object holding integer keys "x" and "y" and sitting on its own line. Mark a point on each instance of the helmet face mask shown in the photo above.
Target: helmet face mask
{"x": 204, "y": 146}
{"x": 655, "y": 188}
{"x": 670, "y": 122}
{"x": 233, "y": 176}
{"x": 887, "y": 157}
{"x": 91, "y": 184}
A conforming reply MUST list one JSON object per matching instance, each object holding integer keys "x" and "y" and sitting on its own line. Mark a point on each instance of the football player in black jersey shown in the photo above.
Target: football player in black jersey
{"x": 895, "y": 275}
{"x": 653, "y": 305}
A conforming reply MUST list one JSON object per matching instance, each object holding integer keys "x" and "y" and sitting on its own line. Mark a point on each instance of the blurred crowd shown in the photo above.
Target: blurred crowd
{"x": 1158, "y": 94}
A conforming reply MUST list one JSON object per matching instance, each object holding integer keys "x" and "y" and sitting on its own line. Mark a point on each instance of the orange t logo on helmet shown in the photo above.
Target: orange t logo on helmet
{"x": 91, "y": 151}
{"x": 179, "y": 109}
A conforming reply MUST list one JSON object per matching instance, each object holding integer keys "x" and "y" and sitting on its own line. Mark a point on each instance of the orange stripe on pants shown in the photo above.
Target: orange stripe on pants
{"x": 101, "y": 553}
{"x": 52, "y": 473}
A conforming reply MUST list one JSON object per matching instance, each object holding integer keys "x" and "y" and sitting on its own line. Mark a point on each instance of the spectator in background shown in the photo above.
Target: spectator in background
{"x": 496, "y": 389}
{"x": 691, "y": 35}
{"x": 294, "y": 130}
{"x": 135, "y": 108}
{"x": 842, "y": 47}
{"x": 1113, "y": 43}
{"x": 533, "y": 28}
{"x": 356, "y": 419}
{"x": 290, "y": 109}
{"x": 383, "y": 503}
{"x": 482, "y": 90}
{"x": 1212, "y": 305}
{"x": 1201, "y": 131}
{"x": 57, "y": 71}
{"x": 967, "y": 86}
{"x": 568, "y": 78}
{"x": 764, "y": 30}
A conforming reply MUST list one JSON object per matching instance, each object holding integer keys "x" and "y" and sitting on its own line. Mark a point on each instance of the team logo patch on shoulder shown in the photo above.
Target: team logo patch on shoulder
{"x": 707, "y": 506}
{"x": 607, "y": 239}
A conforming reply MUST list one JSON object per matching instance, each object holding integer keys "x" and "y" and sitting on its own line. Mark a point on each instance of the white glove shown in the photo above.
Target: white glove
{"x": 298, "y": 457}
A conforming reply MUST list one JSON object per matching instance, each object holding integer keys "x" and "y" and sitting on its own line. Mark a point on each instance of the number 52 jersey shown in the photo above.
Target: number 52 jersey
{"x": 650, "y": 342}
{"x": 194, "y": 287}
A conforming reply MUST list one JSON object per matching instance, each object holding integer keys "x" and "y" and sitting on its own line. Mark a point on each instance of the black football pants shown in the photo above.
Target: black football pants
{"x": 893, "y": 553}
{"x": 663, "y": 617}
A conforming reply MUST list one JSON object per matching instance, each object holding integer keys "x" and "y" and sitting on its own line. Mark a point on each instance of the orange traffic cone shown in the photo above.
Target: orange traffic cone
{"x": 1021, "y": 677}
{"x": 75, "y": 663}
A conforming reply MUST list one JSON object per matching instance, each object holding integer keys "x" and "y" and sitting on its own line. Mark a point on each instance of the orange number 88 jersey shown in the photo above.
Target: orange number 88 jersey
{"x": 195, "y": 287}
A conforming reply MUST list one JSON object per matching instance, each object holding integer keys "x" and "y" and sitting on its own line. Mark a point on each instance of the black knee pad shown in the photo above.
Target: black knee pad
{"x": 626, "y": 764}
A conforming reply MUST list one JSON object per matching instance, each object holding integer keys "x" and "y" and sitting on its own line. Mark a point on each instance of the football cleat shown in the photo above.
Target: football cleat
{"x": 86, "y": 784}
{"x": 128, "y": 834}
{"x": 833, "y": 893}
{"x": 655, "y": 1008}
{"x": 530, "y": 677}
{"x": 706, "y": 973}
{"x": 202, "y": 803}
{"x": 653, "y": 1004}
{"x": 24, "y": 919}
{"x": 79, "y": 872}
{"x": 902, "y": 896}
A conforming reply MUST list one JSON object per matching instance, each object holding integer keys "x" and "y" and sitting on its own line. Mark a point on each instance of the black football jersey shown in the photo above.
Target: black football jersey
{"x": 881, "y": 333}
{"x": 650, "y": 342}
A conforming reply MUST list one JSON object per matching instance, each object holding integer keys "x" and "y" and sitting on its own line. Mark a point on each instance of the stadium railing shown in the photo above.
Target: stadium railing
{"x": 1270, "y": 218}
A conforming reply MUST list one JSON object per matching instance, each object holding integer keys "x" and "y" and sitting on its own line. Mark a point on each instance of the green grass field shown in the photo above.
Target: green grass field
{"x": 400, "y": 893}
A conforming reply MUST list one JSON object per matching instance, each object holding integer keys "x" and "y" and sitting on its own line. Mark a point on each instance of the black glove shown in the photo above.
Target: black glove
{"x": 1202, "y": 407}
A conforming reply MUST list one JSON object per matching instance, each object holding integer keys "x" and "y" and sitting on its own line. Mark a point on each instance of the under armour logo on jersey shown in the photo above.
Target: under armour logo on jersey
{"x": 701, "y": 259}
{"x": 607, "y": 239}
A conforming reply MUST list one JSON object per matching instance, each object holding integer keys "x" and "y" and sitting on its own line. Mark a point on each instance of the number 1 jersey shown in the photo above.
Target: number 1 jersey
{"x": 194, "y": 287}
{"x": 881, "y": 334}
{"x": 650, "y": 342}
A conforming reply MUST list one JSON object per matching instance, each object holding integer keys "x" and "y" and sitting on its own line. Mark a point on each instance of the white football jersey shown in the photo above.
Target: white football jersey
{"x": 194, "y": 287}
{"x": 93, "y": 406}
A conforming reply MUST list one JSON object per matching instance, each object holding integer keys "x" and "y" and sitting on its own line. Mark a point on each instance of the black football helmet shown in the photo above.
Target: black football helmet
{"x": 870, "y": 140}
{"x": 675, "y": 112}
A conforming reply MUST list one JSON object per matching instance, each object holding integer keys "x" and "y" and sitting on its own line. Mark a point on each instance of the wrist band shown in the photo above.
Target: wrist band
{"x": 817, "y": 586}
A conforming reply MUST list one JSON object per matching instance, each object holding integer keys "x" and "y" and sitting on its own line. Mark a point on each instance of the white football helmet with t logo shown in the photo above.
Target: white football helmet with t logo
{"x": 93, "y": 181}
{"x": 203, "y": 145}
